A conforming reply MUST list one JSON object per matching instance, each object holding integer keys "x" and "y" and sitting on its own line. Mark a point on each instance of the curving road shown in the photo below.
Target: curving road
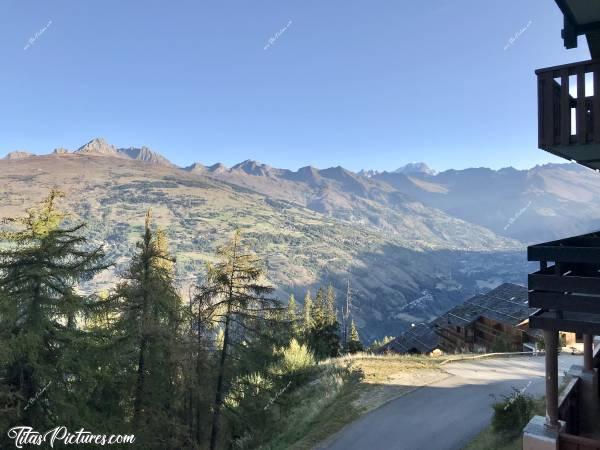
{"x": 447, "y": 414}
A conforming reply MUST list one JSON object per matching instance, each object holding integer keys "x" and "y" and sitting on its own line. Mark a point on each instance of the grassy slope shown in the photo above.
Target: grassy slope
{"x": 347, "y": 388}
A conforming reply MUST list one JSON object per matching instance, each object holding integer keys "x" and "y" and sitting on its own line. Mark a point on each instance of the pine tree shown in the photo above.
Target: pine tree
{"x": 149, "y": 308}
{"x": 292, "y": 317}
{"x": 201, "y": 340}
{"x": 239, "y": 292}
{"x": 330, "y": 308}
{"x": 307, "y": 316}
{"x": 354, "y": 344}
{"x": 40, "y": 268}
{"x": 319, "y": 315}
{"x": 346, "y": 315}
{"x": 324, "y": 336}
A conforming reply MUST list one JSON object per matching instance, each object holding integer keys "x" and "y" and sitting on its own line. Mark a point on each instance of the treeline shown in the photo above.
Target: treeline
{"x": 204, "y": 372}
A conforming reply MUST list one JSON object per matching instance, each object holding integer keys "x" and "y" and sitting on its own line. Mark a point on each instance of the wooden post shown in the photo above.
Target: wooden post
{"x": 588, "y": 352}
{"x": 580, "y": 111}
{"x": 546, "y": 114}
{"x": 565, "y": 108}
{"x": 551, "y": 342}
{"x": 596, "y": 104}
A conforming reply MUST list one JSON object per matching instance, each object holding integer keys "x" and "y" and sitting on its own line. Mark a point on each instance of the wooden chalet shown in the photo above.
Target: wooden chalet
{"x": 565, "y": 291}
{"x": 496, "y": 321}
{"x": 419, "y": 339}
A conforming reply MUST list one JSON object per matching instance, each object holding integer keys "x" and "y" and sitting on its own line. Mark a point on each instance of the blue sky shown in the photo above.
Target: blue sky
{"x": 363, "y": 84}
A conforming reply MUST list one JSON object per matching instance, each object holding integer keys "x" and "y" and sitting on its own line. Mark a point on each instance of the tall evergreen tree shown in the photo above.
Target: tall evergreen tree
{"x": 324, "y": 336}
{"x": 200, "y": 341}
{"x": 292, "y": 317}
{"x": 307, "y": 316}
{"x": 346, "y": 315}
{"x": 354, "y": 343}
{"x": 149, "y": 307}
{"x": 41, "y": 265}
{"x": 330, "y": 307}
{"x": 239, "y": 292}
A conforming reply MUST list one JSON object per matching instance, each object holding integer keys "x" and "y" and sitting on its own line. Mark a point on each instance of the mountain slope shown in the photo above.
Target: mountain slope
{"x": 344, "y": 195}
{"x": 302, "y": 247}
{"x": 544, "y": 203}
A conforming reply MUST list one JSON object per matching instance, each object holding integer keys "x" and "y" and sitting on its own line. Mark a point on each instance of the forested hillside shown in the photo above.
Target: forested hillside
{"x": 211, "y": 371}
{"x": 405, "y": 262}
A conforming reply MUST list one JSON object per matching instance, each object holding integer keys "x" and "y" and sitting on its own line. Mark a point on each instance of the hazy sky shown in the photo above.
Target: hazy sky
{"x": 362, "y": 84}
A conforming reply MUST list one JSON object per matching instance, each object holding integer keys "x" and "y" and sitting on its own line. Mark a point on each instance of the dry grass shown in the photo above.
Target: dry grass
{"x": 348, "y": 387}
{"x": 488, "y": 440}
{"x": 385, "y": 378}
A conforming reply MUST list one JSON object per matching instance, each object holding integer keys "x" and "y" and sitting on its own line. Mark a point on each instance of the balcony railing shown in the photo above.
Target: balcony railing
{"x": 569, "y": 412}
{"x": 569, "y": 111}
{"x": 568, "y": 406}
{"x": 567, "y": 292}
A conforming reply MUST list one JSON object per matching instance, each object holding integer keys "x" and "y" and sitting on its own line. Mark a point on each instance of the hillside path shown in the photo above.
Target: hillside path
{"x": 447, "y": 414}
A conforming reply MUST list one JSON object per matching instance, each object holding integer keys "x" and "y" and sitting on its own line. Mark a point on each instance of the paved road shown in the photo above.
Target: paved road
{"x": 449, "y": 413}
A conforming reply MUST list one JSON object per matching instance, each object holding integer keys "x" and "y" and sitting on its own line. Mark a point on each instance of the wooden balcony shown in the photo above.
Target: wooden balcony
{"x": 567, "y": 293}
{"x": 570, "y": 412}
{"x": 569, "y": 111}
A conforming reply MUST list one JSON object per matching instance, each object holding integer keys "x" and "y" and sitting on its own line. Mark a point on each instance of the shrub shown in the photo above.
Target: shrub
{"x": 295, "y": 358}
{"x": 513, "y": 413}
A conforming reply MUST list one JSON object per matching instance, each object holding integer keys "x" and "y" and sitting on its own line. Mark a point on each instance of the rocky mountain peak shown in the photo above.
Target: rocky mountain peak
{"x": 19, "y": 154}
{"x": 416, "y": 168}
{"x": 144, "y": 154}
{"x": 253, "y": 168}
{"x": 98, "y": 146}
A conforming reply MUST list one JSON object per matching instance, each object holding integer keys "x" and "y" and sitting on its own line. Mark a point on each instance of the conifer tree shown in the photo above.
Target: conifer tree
{"x": 149, "y": 308}
{"x": 292, "y": 317}
{"x": 41, "y": 265}
{"x": 354, "y": 343}
{"x": 324, "y": 336}
{"x": 307, "y": 316}
{"x": 239, "y": 292}
{"x": 330, "y": 308}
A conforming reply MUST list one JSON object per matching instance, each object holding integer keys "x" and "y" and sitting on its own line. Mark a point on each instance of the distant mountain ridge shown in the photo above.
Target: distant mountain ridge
{"x": 542, "y": 203}
{"x": 99, "y": 146}
{"x": 311, "y": 228}
{"x": 546, "y": 202}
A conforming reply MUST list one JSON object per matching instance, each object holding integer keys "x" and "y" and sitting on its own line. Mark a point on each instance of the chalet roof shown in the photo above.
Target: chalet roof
{"x": 582, "y": 17}
{"x": 420, "y": 337}
{"x": 508, "y": 304}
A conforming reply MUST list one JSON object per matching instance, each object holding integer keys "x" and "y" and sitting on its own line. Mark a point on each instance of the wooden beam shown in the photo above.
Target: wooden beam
{"x": 564, "y": 254}
{"x": 571, "y": 283}
{"x": 564, "y": 302}
{"x": 572, "y": 67}
{"x": 543, "y": 322}
{"x": 588, "y": 152}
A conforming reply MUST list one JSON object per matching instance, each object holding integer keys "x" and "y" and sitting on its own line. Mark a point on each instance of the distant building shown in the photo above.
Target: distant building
{"x": 418, "y": 339}
{"x": 496, "y": 321}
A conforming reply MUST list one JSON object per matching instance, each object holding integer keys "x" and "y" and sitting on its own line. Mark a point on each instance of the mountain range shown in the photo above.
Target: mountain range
{"x": 412, "y": 242}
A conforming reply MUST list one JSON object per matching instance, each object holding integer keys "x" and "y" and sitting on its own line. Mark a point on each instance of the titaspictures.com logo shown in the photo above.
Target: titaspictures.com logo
{"x": 23, "y": 435}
